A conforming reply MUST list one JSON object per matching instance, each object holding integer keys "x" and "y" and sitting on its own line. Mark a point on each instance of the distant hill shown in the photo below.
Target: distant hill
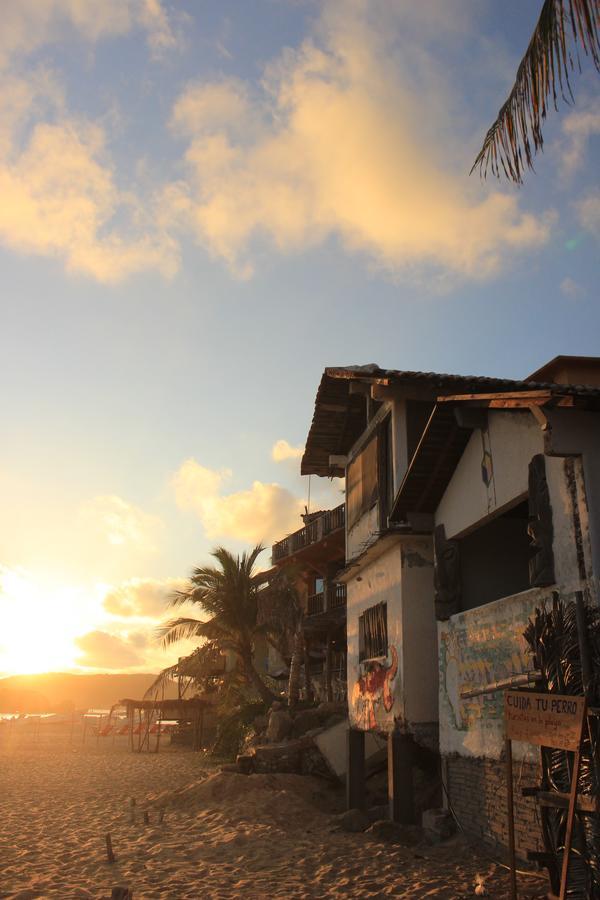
{"x": 59, "y": 692}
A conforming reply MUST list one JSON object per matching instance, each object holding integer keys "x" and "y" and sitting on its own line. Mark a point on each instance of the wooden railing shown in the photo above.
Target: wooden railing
{"x": 316, "y": 604}
{"x": 312, "y": 533}
{"x": 337, "y": 596}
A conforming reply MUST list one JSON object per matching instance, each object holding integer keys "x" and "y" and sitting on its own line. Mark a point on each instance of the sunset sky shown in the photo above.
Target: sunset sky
{"x": 202, "y": 205}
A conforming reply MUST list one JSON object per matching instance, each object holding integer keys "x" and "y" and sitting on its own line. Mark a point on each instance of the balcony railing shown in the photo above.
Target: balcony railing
{"x": 316, "y": 604}
{"x": 336, "y": 594}
{"x": 312, "y": 533}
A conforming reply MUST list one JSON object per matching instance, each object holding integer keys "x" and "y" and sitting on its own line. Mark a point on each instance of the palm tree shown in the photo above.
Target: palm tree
{"x": 228, "y": 593}
{"x": 516, "y": 135}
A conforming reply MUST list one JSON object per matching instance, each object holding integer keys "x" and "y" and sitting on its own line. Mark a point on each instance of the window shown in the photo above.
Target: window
{"x": 361, "y": 482}
{"x": 494, "y": 559}
{"x": 372, "y": 632}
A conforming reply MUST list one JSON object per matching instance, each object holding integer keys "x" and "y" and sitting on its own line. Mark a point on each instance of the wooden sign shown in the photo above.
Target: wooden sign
{"x": 548, "y": 720}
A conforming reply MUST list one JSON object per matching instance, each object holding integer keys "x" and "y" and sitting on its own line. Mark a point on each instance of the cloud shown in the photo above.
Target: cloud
{"x": 283, "y": 451}
{"x": 142, "y": 597}
{"x": 338, "y": 141}
{"x": 122, "y": 524}
{"x": 572, "y": 289}
{"x": 588, "y": 212}
{"x": 60, "y": 198}
{"x": 29, "y": 24}
{"x": 210, "y": 106}
{"x": 577, "y": 128}
{"x": 101, "y": 650}
{"x": 264, "y": 512}
{"x": 60, "y": 193}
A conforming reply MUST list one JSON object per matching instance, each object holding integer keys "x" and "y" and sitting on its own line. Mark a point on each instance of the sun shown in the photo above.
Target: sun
{"x": 38, "y": 624}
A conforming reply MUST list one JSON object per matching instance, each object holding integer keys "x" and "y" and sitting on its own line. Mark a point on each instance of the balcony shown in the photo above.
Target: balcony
{"x": 316, "y": 532}
{"x": 333, "y": 598}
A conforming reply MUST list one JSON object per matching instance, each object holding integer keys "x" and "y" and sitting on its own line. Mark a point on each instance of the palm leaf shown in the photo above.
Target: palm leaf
{"x": 516, "y": 136}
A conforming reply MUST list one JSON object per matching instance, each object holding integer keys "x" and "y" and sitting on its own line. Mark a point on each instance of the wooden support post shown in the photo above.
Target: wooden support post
{"x": 400, "y": 778}
{"x": 310, "y": 695}
{"x": 511, "y": 819}
{"x": 328, "y": 673}
{"x": 570, "y": 819}
{"x": 121, "y": 893}
{"x": 109, "y": 850}
{"x": 355, "y": 770}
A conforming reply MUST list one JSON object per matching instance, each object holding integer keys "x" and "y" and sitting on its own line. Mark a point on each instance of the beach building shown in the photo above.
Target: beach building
{"x": 311, "y": 557}
{"x": 469, "y": 500}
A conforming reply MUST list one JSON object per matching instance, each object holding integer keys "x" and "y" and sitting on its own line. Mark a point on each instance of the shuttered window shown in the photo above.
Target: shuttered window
{"x": 372, "y": 632}
{"x": 361, "y": 482}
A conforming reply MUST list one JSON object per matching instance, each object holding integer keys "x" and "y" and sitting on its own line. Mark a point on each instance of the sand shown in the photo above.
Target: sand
{"x": 223, "y": 835}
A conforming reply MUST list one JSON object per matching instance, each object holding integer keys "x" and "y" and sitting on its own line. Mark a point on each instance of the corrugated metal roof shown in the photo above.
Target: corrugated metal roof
{"x": 339, "y": 416}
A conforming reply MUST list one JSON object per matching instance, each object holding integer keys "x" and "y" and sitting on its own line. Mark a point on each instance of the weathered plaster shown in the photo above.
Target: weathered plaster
{"x": 476, "y": 647}
{"x": 400, "y": 691}
{"x": 363, "y": 533}
{"x": 509, "y": 443}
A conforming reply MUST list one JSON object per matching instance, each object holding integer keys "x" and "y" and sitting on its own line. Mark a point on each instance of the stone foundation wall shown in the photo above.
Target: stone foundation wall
{"x": 477, "y": 790}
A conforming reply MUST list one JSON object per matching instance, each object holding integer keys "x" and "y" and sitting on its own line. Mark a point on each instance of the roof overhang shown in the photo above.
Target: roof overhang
{"x": 448, "y": 430}
{"x": 340, "y": 415}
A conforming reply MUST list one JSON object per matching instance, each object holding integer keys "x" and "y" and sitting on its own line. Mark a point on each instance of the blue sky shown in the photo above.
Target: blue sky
{"x": 207, "y": 203}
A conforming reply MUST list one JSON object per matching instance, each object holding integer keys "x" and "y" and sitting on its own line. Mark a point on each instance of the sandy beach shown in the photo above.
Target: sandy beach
{"x": 222, "y": 835}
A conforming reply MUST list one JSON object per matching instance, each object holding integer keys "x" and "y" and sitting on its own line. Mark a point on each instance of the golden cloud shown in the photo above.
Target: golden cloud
{"x": 121, "y": 524}
{"x": 282, "y": 451}
{"x": 102, "y": 650}
{"x": 263, "y": 512}
{"x": 142, "y": 597}
{"x": 28, "y": 24}
{"x": 339, "y": 143}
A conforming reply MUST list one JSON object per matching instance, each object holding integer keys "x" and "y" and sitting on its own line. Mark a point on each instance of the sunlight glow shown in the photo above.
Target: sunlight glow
{"x": 38, "y": 623}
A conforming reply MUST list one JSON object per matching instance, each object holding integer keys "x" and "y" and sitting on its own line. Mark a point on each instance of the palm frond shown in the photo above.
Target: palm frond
{"x": 163, "y": 678}
{"x": 516, "y": 136}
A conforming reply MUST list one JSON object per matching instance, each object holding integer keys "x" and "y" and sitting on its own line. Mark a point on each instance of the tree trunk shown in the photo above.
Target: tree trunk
{"x": 294, "y": 681}
{"x": 254, "y": 678}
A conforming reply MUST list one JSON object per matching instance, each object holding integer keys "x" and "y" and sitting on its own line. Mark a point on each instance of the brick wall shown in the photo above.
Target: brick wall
{"x": 477, "y": 790}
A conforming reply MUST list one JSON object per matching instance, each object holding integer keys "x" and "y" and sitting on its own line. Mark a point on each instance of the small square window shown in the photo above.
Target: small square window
{"x": 373, "y": 633}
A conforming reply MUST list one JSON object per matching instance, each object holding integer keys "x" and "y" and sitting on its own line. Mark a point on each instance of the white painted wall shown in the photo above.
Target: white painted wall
{"x": 476, "y": 647}
{"x": 402, "y": 577}
{"x": 363, "y": 533}
{"x": 512, "y": 439}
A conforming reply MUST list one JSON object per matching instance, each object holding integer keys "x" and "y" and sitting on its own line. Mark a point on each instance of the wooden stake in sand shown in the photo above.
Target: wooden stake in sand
{"x": 121, "y": 893}
{"x": 161, "y": 815}
{"x": 146, "y": 817}
{"x": 109, "y": 850}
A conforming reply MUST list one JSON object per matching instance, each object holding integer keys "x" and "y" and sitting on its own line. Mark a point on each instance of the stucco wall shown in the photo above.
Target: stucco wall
{"x": 363, "y": 533}
{"x": 512, "y": 438}
{"x": 476, "y": 647}
{"x": 402, "y": 577}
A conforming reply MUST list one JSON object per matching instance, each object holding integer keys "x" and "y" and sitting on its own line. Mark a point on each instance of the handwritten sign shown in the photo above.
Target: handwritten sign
{"x": 548, "y": 720}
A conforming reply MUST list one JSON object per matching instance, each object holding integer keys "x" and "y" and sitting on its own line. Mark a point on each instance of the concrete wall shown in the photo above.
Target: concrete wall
{"x": 403, "y": 690}
{"x": 485, "y": 643}
{"x": 512, "y": 438}
{"x": 363, "y": 533}
{"x": 476, "y": 647}
{"x": 578, "y": 432}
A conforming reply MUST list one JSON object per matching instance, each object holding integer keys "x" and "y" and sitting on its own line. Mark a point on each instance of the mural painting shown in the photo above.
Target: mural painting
{"x": 372, "y": 695}
{"x": 476, "y": 647}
